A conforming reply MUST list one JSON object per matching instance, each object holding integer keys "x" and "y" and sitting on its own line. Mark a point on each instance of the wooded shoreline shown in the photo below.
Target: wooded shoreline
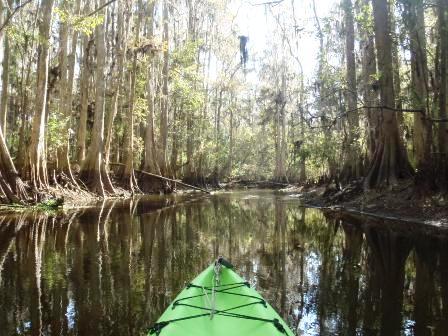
{"x": 116, "y": 98}
{"x": 348, "y": 203}
{"x": 391, "y": 204}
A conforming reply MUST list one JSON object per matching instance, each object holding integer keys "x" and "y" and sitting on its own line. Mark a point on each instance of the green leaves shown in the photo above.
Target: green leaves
{"x": 84, "y": 24}
{"x": 185, "y": 79}
{"x": 57, "y": 131}
{"x": 364, "y": 18}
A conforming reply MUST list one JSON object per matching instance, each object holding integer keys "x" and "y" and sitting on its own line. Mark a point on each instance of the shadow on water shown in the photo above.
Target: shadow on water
{"x": 114, "y": 268}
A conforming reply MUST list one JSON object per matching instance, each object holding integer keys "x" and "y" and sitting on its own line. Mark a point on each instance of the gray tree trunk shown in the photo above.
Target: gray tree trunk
{"x": 84, "y": 95}
{"x": 351, "y": 168}
{"x": 11, "y": 186}
{"x": 370, "y": 95}
{"x": 163, "y": 142}
{"x": 390, "y": 161}
{"x": 93, "y": 170}
{"x": 128, "y": 171}
{"x": 37, "y": 161}
{"x": 5, "y": 79}
{"x": 415, "y": 22}
{"x": 67, "y": 68}
{"x": 322, "y": 93}
{"x": 150, "y": 160}
{"x": 442, "y": 134}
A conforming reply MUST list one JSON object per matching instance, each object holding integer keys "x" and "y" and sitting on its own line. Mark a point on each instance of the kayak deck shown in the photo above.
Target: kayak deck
{"x": 237, "y": 309}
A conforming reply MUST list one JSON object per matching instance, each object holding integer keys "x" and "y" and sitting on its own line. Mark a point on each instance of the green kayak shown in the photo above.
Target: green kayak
{"x": 218, "y": 302}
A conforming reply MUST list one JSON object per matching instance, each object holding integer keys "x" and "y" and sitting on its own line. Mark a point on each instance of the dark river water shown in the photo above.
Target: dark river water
{"x": 114, "y": 268}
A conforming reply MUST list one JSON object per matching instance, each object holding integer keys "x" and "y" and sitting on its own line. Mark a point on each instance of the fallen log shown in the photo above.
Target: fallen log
{"x": 164, "y": 178}
{"x": 247, "y": 182}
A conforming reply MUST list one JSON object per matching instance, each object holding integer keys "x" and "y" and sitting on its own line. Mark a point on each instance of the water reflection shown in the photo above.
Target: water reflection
{"x": 112, "y": 270}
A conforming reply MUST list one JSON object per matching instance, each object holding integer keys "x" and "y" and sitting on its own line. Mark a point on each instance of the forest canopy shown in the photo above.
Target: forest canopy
{"x": 93, "y": 93}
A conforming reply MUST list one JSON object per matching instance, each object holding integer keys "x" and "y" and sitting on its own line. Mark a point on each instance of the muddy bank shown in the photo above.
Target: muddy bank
{"x": 60, "y": 195}
{"x": 397, "y": 203}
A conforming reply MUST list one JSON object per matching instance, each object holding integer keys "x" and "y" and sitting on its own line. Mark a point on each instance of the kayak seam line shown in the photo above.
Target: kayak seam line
{"x": 157, "y": 328}
{"x": 223, "y": 291}
{"x": 225, "y": 310}
{"x": 245, "y": 283}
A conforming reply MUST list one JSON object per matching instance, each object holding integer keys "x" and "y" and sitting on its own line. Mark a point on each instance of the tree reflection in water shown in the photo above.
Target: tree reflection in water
{"x": 112, "y": 269}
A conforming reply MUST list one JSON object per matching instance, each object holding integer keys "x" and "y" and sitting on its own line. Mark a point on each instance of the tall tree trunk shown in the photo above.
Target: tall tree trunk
{"x": 176, "y": 140}
{"x": 128, "y": 169}
{"x": 390, "y": 161}
{"x": 396, "y": 66}
{"x": 322, "y": 94}
{"x": 120, "y": 55}
{"x": 5, "y": 85}
{"x": 231, "y": 138}
{"x": 280, "y": 124}
{"x": 11, "y": 186}
{"x": 2, "y": 53}
{"x": 301, "y": 106}
{"x": 415, "y": 22}
{"x": 150, "y": 158}
{"x": 84, "y": 82}
{"x": 93, "y": 171}
{"x": 37, "y": 160}
{"x": 163, "y": 142}
{"x": 302, "y": 158}
{"x": 190, "y": 174}
{"x": 67, "y": 67}
{"x": 5, "y": 79}
{"x": 216, "y": 172}
{"x": 21, "y": 159}
{"x": 442, "y": 135}
{"x": 190, "y": 168}
{"x": 370, "y": 95}
{"x": 280, "y": 133}
{"x": 351, "y": 163}
{"x": 204, "y": 117}
{"x": 150, "y": 163}
{"x": 63, "y": 165}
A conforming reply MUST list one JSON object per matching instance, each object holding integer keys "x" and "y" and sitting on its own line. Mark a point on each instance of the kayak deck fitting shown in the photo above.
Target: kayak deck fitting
{"x": 218, "y": 302}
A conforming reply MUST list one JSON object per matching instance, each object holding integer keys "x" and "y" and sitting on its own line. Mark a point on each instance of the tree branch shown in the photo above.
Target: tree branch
{"x": 14, "y": 12}
{"x": 164, "y": 178}
{"x": 100, "y": 8}
{"x": 393, "y": 109}
{"x": 268, "y": 3}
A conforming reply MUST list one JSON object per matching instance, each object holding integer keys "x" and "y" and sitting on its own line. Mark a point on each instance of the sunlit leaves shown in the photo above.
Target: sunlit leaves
{"x": 185, "y": 78}
{"x": 84, "y": 24}
{"x": 56, "y": 127}
{"x": 19, "y": 35}
{"x": 364, "y": 17}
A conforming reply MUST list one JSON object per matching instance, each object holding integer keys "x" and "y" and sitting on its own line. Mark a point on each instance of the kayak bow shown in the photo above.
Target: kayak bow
{"x": 218, "y": 302}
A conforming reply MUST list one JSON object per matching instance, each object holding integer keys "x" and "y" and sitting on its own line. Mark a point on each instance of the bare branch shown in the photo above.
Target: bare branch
{"x": 100, "y": 8}
{"x": 268, "y": 3}
{"x": 14, "y": 12}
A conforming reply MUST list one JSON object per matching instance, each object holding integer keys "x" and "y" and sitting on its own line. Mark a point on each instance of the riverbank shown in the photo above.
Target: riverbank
{"x": 68, "y": 195}
{"x": 398, "y": 202}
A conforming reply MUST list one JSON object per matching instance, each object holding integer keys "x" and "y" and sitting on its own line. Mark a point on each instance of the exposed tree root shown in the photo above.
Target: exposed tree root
{"x": 97, "y": 181}
{"x": 165, "y": 179}
{"x": 389, "y": 165}
{"x": 64, "y": 170}
{"x": 11, "y": 186}
{"x": 128, "y": 180}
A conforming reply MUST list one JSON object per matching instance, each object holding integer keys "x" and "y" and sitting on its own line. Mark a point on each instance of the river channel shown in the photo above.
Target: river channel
{"x": 113, "y": 268}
